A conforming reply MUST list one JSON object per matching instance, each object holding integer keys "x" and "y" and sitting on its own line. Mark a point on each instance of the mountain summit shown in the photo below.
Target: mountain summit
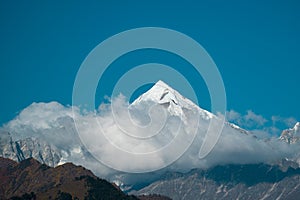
{"x": 163, "y": 94}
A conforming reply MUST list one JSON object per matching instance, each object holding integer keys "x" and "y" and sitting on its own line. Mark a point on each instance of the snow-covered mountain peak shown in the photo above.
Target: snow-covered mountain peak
{"x": 163, "y": 94}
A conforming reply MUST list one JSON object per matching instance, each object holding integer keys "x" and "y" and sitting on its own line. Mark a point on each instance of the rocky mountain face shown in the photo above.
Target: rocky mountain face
{"x": 22, "y": 149}
{"x": 256, "y": 181}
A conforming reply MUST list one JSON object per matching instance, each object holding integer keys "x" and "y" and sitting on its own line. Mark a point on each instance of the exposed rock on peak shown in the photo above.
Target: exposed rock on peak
{"x": 291, "y": 135}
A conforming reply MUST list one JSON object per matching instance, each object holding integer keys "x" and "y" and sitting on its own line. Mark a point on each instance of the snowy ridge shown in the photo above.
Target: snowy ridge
{"x": 236, "y": 127}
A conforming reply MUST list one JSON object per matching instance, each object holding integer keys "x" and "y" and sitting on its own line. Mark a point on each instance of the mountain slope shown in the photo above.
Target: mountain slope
{"x": 256, "y": 181}
{"x": 29, "y": 176}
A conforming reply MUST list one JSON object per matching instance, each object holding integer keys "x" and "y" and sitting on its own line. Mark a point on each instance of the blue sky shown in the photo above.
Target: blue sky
{"x": 255, "y": 45}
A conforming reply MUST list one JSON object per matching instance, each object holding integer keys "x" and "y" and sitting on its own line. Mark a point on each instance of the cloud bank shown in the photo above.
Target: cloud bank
{"x": 54, "y": 123}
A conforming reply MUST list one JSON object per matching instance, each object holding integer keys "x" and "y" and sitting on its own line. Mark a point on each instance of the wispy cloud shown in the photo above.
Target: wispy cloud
{"x": 289, "y": 122}
{"x": 254, "y": 119}
{"x": 260, "y": 125}
{"x": 249, "y": 120}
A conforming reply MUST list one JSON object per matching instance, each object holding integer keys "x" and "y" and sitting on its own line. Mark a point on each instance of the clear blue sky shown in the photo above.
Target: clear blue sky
{"x": 255, "y": 45}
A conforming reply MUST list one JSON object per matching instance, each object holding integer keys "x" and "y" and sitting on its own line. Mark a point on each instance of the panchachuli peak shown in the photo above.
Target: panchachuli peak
{"x": 163, "y": 94}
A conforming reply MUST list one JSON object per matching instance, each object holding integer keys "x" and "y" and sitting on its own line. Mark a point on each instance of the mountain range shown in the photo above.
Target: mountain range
{"x": 47, "y": 133}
